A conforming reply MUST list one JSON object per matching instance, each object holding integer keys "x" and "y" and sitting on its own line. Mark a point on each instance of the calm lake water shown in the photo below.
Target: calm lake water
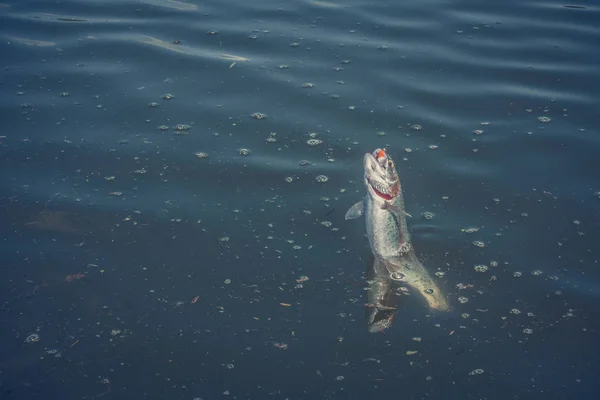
{"x": 172, "y": 171}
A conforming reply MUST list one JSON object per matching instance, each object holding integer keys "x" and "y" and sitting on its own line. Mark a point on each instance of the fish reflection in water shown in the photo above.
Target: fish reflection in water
{"x": 383, "y": 296}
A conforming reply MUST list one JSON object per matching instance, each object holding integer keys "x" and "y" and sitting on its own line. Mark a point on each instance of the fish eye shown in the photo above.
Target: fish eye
{"x": 390, "y": 164}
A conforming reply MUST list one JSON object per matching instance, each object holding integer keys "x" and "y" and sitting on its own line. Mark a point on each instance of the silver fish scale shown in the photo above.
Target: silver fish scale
{"x": 386, "y": 230}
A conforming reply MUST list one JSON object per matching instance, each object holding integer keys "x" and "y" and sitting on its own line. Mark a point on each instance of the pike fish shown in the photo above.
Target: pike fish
{"x": 383, "y": 208}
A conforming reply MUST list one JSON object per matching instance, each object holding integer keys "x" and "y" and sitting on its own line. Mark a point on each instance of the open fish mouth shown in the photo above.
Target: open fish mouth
{"x": 382, "y": 166}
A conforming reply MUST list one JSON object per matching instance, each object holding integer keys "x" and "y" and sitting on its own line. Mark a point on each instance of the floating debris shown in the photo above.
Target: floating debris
{"x": 428, "y": 215}
{"x": 478, "y": 131}
{"x": 141, "y": 171}
{"x": 289, "y": 179}
{"x": 308, "y": 85}
{"x": 201, "y": 154}
{"x": 528, "y": 331}
{"x": 301, "y": 279}
{"x": 517, "y": 274}
{"x": 168, "y": 96}
{"x": 227, "y": 281}
{"x": 163, "y": 128}
{"x": 416, "y": 127}
{"x": 313, "y": 142}
{"x": 64, "y": 94}
{"x": 463, "y": 299}
{"x": 282, "y": 346}
{"x": 223, "y": 239}
{"x": 478, "y": 243}
{"x": 322, "y": 179}
{"x": 153, "y": 104}
{"x": 537, "y": 272}
{"x": 244, "y": 152}
{"x": 303, "y": 163}
{"x": 544, "y": 119}
{"x": 470, "y": 230}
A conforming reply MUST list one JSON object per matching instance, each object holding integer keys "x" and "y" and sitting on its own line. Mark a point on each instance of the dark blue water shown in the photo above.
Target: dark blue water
{"x": 146, "y": 260}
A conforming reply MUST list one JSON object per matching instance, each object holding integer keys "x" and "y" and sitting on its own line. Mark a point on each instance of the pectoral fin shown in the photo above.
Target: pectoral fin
{"x": 356, "y": 210}
{"x": 396, "y": 210}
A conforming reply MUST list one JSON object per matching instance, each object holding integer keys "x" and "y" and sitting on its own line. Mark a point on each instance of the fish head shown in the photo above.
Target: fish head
{"x": 381, "y": 179}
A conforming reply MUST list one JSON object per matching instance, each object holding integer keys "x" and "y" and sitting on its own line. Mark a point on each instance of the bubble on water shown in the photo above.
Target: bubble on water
{"x": 230, "y": 366}
{"x": 32, "y": 338}
{"x": 283, "y": 66}
{"x": 463, "y": 299}
{"x": 408, "y": 150}
{"x": 244, "y": 152}
{"x": 339, "y": 378}
{"x": 440, "y": 274}
{"x": 354, "y": 108}
{"x": 493, "y": 263}
{"x": 345, "y": 61}
{"x": 528, "y": 331}
{"x": 480, "y": 268}
{"x": 253, "y": 37}
{"x": 308, "y": 85}
{"x": 168, "y": 96}
{"x": 295, "y": 44}
{"x": 380, "y": 133}
{"x": 227, "y": 281}
{"x": 484, "y": 123}
{"x": 182, "y": 127}
{"x": 537, "y": 272}
{"x": 64, "y": 94}
{"x": 517, "y": 274}
{"x": 428, "y": 215}
{"x": 259, "y": 116}
{"x": 322, "y": 178}
{"x": 433, "y": 146}
{"x": 515, "y": 311}
{"x": 313, "y": 142}
{"x": 382, "y": 47}
{"x": 477, "y": 371}
{"x": 326, "y": 224}
{"x": 304, "y": 163}
{"x": 465, "y": 315}
{"x": 223, "y": 239}
{"x": 470, "y": 230}
{"x": 289, "y": 179}
{"x": 141, "y": 171}
{"x": 478, "y": 243}
{"x": 544, "y": 119}
{"x": 153, "y": 104}
{"x": 416, "y": 127}
{"x": 478, "y": 131}
{"x": 201, "y": 154}
{"x": 163, "y": 128}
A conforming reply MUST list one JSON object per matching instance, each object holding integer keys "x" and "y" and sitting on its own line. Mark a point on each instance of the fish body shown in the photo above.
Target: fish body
{"x": 387, "y": 231}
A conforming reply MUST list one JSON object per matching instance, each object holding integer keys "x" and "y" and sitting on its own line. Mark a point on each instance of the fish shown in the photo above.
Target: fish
{"x": 387, "y": 231}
